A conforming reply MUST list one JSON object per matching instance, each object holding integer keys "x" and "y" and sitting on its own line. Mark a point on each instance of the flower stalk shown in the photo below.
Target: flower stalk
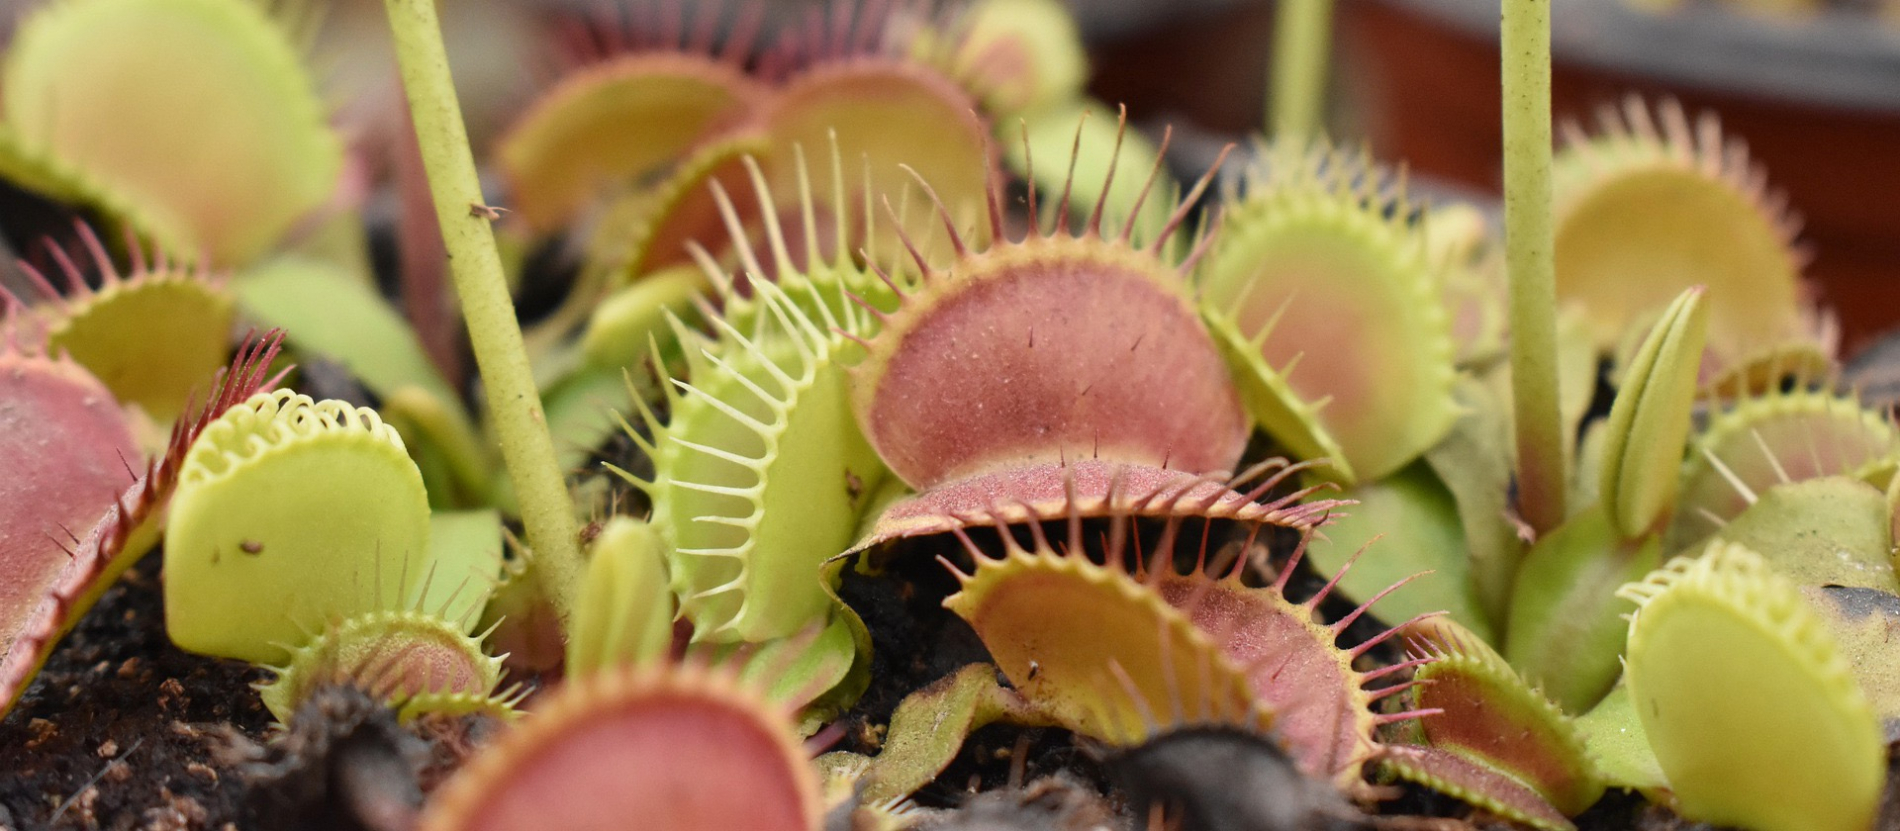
{"x": 514, "y": 404}
{"x": 1301, "y": 36}
{"x": 1530, "y": 259}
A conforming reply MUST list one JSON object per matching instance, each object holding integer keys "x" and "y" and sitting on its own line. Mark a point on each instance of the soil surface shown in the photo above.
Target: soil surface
{"x": 120, "y": 730}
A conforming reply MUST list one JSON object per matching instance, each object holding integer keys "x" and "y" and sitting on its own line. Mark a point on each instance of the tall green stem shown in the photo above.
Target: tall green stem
{"x": 514, "y": 405}
{"x": 1529, "y": 257}
{"x": 1301, "y": 35}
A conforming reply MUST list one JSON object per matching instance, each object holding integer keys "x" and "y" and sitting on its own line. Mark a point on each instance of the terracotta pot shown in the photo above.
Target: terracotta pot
{"x": 1817, "y": 102}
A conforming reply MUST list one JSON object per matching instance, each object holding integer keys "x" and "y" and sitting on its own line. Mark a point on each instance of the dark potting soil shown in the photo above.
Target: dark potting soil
{"x": 120, "y": 729}
{"x": 915, "y": 642}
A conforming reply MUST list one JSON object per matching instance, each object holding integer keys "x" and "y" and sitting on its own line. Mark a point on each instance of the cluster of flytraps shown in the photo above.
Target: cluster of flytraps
{"x": 833, "y": 328}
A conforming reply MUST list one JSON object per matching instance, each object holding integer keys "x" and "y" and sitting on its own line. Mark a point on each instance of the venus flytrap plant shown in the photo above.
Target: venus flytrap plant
{"x": 1756, "y": 442}
{"x": 1171, "y": 502}
{"x": 208, "y": 138}
{"x": 764, "y": 417}
{"x": 1019, "y": 56}
{"x": 130, "y": 522}
{"x": 625, "y": 614}
{"x": 1634, "y": 483}
{"x": 1802, "y": 751}
{"x": 834, "y": 363}
{"x": 149, "y": 334}
{"x": 1563, "y": 632}
{"x": 289, "y": 511}
{"x": 299, "y": 538}
{"x": 1064, "y": 369}
{"x": 414, "y": 661}
{"x": 683, "y": 747}
{"x": 1091, "y": 646}
{"x": 1653, "y": 203}
{"x": 1319, "y": 249}
{"x": 1489, "y": 716}
{"x": 64, "y": 442}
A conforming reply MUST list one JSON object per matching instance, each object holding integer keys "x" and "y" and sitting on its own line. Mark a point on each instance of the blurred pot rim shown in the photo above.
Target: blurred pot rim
{"x": 1840, "y": 58}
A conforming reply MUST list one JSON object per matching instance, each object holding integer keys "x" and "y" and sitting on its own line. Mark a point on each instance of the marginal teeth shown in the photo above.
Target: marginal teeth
{"x": 1479, "y": 698}
{"x": 765, "y": 407}
{"x": 1098, "y": 651}
{"x": 418, "y": 663}
{"x": 112, "y": 545}
{"x": 1293, "y": 663}
{"x": 1723, "y": 620}
{"x": 112, "y": 328}
{"x": 1652, "y": 205}
{"x": 290, "y": 482}
{"x": 1756, "y": 443}
{"x": 1313, "y": 226}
